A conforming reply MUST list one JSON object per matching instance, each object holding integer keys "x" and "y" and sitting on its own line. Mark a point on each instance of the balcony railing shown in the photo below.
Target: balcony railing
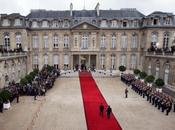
{"x": 160, "y": 54}
{"x": 12, "y": 54}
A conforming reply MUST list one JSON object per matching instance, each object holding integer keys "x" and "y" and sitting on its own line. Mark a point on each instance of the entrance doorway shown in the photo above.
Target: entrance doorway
{"x": 84, "y": 62}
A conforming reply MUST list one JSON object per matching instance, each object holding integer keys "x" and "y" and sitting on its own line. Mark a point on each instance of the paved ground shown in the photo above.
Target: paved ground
{"x": 62, "y": 108}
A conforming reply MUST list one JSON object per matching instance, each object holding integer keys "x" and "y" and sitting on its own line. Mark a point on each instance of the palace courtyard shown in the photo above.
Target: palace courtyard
{"x": 62, "y": 108}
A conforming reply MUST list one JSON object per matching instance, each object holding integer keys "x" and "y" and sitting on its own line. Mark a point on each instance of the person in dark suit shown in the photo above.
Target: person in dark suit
{"x": 108, "y": 111}
{"x": 17, "y": 96}
{"x": 126, "y": 93}
{"x": 101, "y": 107}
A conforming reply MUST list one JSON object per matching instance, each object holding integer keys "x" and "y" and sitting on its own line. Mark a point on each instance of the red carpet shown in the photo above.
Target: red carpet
{"x": 92, "y": 98}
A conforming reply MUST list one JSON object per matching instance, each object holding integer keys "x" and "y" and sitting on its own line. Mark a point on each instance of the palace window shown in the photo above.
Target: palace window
{"x": 35, "y": 41}
{"x": 84, "y": 44}
{"x": 113, "y": 42}
{"x": 112, "y": 61}
{"x": 167, "y": 21}
{"x": 123, "y": 60}
{"x": 66, "y": 24}
{"x": 46, "y": 60}
{"x": 133, "y": 61}
{"x": 45, "y": 24}
{"x": 34, "y": 24}
{"x": 103, "y": 23}
{"x": 155, "y": 21}
{"x": 134, "y": 41}
{"x": 6, "y": 44}
{"x": 124, "y": 41}
{"x": 66, "y": 61}
{"x": 35, "y": 62}
{"x": 154, "y": 39}
{"x": 165, "y": 40}
{"x": 46, "y": 40}
{"x": 55, "y": 24}
{"x": 17, "y": 22}
{"x": 55, "y": 41}
{"x": 18, "y": 40}
{"x": 66, "y": 41}
{"x": 125, "y": 24}
{"x": 6, "y": 22}
{"x": 93, "y": 42}
{"x": 114, "y": 24}
{"x": 135, "y": 23}
{"x": 102, "y": 61}
{"x": 103, "y": 41}
{"x": 56, "y": 61}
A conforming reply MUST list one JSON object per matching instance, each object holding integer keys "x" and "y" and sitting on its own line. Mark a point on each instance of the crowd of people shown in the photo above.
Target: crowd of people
{"x": 160, "y": 100}
{"x": 43, "y": 81}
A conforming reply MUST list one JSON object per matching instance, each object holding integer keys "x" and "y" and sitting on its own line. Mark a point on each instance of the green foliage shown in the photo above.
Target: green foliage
{"x": 35, "y": 71}
{"x": 142, "y": 75}
{"x": 150, "y": 79}
{"x": 23, "y": 81}
{"x": 29, "y": 78}
{"x": 136, "y": 71}
{"x": 122, "y": 68}
{"x": 5, "y": 95}
{"x": 159, "y": 82}
{"x": 1, "y": 100}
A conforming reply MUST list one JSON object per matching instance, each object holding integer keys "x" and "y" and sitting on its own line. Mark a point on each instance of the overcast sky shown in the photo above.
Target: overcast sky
{"x": 145, "y": 6}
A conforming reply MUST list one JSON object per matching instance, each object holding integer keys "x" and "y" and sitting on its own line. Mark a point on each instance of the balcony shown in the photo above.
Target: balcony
{"x": 166, "y": 53}
{"x": 7, "y": 55}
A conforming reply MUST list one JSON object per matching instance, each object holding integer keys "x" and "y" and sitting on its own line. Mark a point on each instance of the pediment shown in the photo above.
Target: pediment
{"x": 85, "y": 26}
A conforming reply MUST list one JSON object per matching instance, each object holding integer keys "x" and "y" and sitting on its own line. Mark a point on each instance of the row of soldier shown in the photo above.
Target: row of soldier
{"x": 158, "y": 99}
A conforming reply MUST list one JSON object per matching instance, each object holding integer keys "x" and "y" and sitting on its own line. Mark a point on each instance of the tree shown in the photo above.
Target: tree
{"x": 23, "y": 81}
{"x": 159, "y": 82}
{"x": 150, "y": 79}
{"x": 136, "y": 71}
{"x": 142, "y": 75}
{"x": 122, "y": 68}
{"x": 5, "y": 95}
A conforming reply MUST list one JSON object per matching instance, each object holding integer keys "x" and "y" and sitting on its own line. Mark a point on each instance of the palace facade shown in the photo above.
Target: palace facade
{"x": 101, "y": 39}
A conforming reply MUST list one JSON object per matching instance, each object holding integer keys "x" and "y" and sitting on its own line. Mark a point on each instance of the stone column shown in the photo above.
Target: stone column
{"x": 89, "y": 60}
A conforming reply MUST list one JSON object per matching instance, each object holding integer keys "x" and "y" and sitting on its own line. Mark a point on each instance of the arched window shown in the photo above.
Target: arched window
{"x": 165, "y": 40}
{"x": 66, "y": 41}
{"x": 134, "y": 41}
{"x": 157, "y": 69}
{"x": 66, "y": 61}
{"x": 46, "y": 60}
{"x": 35, "y": 62}
{"x": 56, "y": 61}
{"x": 18, "y": 40}
{"x": 124, "y": 41}
{"x": 46, "y": 40}
{"x": 113, "y": 41}
{"x": 166, "y": 73}
{"x": 133, "y": 61}
{"x": 102, "y": 61}
{"x": 35, "y": 41}
{"x": 84, "y": 44}
{"x": 55, "y": 41}
{"x": 154, "y": 39}
{"x": 103, "y": 41}
{"x": 112, "y": 61}
{"x": 123, "y": 60}
{"x": 6, "y": 45}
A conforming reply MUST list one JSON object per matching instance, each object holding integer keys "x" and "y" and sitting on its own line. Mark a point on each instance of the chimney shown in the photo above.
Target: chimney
{"x": 71, "y": 8}
{"x": 97, "y": 8}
